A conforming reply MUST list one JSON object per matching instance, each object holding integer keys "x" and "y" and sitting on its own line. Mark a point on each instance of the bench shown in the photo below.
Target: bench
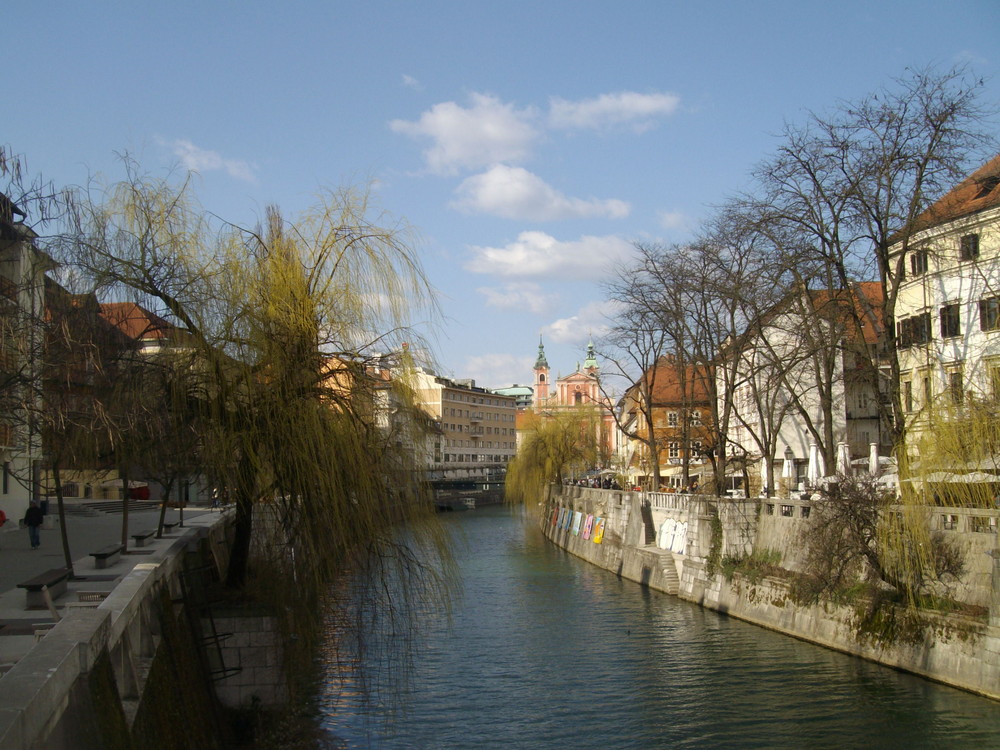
{"x": 142, "y": 536}
{"x": 170, "y": 526}
{"x": 55, "y": 583}
{"x": 107, "y": 556}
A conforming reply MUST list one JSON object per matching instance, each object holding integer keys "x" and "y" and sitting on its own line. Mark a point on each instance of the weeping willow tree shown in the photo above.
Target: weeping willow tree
{"x": 556, "y": 445}
{"x": 280, "y": 378}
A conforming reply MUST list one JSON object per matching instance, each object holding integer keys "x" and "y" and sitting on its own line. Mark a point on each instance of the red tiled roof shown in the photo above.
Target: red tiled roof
{"x": 977, "y": 192}
{"x": 667, "y": 383}
{"x": 135, "y": 321}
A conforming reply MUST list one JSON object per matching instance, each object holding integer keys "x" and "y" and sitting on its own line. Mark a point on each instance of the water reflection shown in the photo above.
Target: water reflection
{"x": 545, "y": 651}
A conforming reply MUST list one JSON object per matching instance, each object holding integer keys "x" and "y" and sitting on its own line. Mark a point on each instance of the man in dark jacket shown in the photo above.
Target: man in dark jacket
{"x": 33, "y": 519}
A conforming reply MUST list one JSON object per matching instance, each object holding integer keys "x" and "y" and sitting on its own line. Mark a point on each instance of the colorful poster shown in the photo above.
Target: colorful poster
{"x": 562, "y": 519}
{"x": 599, "y": 531}
{"x": 587, "y": 526}
{"x": 569, "y": 519}
{"x": 555, "y": 516}
{"x": 577, "y": 518}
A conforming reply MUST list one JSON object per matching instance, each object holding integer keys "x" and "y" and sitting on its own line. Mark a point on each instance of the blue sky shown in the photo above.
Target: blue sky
{"x": 530, "y": 144}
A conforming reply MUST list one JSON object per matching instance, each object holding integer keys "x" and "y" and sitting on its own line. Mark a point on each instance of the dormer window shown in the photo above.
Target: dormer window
{"x": 987, "y": 185}
{"x": 968, "y": 247}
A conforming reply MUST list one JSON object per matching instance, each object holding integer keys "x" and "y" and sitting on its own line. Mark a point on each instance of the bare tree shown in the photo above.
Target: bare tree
{"x": 851, "y": 187}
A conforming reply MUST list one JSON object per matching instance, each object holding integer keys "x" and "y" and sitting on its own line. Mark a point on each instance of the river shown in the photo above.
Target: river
{"x": 546, "y": 651}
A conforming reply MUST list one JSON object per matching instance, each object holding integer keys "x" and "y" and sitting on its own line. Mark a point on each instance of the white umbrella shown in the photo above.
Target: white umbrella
{"x": 788, "y": 467}
{"x": 873, "y": 465}
{"x": 763, "y": 476}
{"x": 843, "y": 459}
{"x": 816, "y": 465}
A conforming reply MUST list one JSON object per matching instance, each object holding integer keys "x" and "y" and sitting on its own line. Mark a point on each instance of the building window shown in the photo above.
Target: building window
{"x": 989, "y": 314}
{"x": 674, "y": 450}
{"x": 918, "y": 262}
{"x": 955, "y": 387}
{"x": 696, "y": 417}
{"x": 950, "y": 321}
{"x": 993, "y": 373}
{"x": 786, "y": 511}
{"x": 928, "y": 391}
{"x": 949, "y": 522}
{"x": 672, "y": 419}
{"x": 907, "y": 395}
{"x": 968, "y": 248}
{"x": 913, "y": 330}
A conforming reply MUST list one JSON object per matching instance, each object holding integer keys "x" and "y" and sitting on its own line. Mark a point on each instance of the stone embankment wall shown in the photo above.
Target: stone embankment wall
{"x": 139, "y": 669}
{"x": 961, "y": 652}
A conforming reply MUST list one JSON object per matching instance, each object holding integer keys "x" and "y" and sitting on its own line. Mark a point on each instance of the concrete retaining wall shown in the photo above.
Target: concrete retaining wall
{"x": 60, "y": 697}
{"x": 960, "y": 652}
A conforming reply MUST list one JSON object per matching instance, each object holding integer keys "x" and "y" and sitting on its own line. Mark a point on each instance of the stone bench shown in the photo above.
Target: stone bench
{"x": 54, "y": 580}
{"x": 170, "y": 526}
{"x": 107, "y": 556}
{"x": 142, "y": 536}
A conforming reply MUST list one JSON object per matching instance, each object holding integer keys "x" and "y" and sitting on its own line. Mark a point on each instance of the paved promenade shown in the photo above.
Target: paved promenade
{"x": 18, "y": 563}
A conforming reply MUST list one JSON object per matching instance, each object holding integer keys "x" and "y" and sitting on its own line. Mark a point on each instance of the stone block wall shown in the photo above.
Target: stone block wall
{"x": 255, "y": 648}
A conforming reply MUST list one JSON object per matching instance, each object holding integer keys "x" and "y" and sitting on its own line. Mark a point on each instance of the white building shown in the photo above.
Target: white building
{"x": 948, "y": 308}
{"x": 801, "y": 382}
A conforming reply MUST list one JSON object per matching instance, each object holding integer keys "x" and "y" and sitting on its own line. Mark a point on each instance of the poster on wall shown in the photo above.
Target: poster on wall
{"x": 587, "y": 526}
{"x": 599, "y": 531}
{"x": 577, "y": 518}
{"x": 555, "y": 516}
{"x": 569, "y": 519}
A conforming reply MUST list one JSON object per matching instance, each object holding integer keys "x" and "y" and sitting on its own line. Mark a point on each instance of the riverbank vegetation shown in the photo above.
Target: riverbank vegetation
{"x": 555, "y": 447}
{"x": 274, "y": 371}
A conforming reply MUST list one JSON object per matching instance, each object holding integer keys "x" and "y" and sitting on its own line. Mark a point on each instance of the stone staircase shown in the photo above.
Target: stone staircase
{"x": 669, "y": 571}
{"x": 93, "y": 508}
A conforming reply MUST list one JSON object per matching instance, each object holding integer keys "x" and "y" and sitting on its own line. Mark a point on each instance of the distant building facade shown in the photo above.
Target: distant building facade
{"x": 474, "y": 428}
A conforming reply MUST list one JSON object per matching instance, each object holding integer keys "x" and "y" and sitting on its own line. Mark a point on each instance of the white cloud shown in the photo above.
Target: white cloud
{"x": 499, "y": 370}
{"x": 609, "y": 110}
{"x": 519, "y": 296}
{"x": 590, "y": 321}
{"x": 673, "y": 220}
{"x": 539, "y": 255}
{"x": 202, "y": 160}
{"x": 412, "y": 83}
{"x": 485, "y": 133}
{"x": 516, "y": 193}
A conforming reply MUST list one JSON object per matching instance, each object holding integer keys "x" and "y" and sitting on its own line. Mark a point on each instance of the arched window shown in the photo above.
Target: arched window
{"x": 578, "y": 398}
{"x": 541, "y": 377}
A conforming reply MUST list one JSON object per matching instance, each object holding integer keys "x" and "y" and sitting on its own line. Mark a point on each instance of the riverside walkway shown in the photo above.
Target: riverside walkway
{"x": 87, "y": 533}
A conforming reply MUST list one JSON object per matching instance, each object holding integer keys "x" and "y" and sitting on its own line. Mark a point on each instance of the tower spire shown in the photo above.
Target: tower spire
{"x": 541, "y": 361}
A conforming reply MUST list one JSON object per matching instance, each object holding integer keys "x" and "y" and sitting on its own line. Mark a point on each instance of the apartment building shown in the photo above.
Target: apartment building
{"x": 948, "y": 308}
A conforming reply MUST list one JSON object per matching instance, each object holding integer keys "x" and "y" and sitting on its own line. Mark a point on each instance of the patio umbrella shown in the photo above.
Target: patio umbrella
{"x": 817, "y": 467}
{"x": 788, "y": 467}
{"x": 843, "y": 459}
{"x": 873, "y": 467}
{"x": 763, "y": 476}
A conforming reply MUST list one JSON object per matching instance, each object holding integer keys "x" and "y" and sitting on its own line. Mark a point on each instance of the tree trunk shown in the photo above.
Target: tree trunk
{"x": 124, "y": 476}
{"x": 239, "y": 556}
{"x": 67, "y": 556}
{"x": 163, "y": 509}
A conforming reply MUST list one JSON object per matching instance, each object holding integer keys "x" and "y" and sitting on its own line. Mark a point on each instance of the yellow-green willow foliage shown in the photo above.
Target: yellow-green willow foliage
{"x": 280, "y": 375}
{"x": 893, "y": 545}
{"x": 555, "y": 446}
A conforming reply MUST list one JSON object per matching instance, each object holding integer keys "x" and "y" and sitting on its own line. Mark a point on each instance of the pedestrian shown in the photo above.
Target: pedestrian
{"x": 33, "y": 519}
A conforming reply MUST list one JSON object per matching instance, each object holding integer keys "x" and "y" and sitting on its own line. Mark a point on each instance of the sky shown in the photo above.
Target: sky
{"x": 530, "y": 145}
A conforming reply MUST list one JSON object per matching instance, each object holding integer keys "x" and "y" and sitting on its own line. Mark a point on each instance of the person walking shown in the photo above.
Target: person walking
{"x": 33, "y": 518}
